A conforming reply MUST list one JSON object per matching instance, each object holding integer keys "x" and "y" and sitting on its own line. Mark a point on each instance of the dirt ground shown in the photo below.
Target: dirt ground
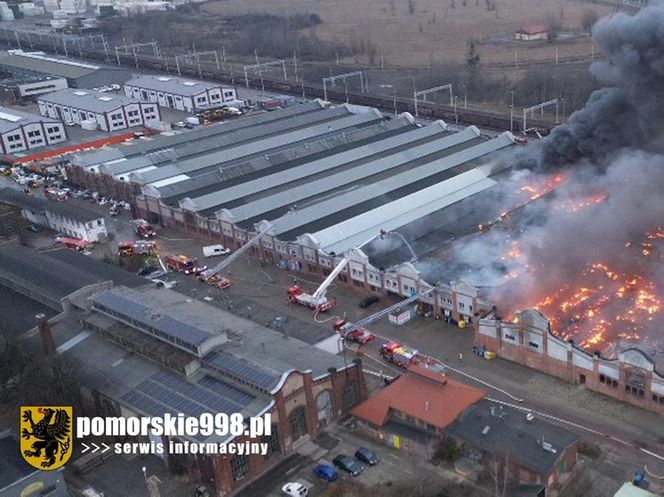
{"x": 438, "y": 30}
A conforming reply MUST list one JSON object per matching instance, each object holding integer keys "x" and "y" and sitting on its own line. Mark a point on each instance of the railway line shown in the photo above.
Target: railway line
{"x": 206, "y": 70}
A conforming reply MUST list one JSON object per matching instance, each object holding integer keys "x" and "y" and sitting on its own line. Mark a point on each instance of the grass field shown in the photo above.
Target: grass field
{"x": 437, "y": 31}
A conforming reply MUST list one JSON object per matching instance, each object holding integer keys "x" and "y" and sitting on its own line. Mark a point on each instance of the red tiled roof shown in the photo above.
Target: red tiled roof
{"x": 536, "y": 29}
{"x": 423, "y": 394}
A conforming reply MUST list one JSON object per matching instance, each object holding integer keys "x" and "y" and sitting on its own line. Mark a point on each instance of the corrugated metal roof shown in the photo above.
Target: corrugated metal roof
{"x": 37, "y": 204}
{"x": 259, "y": 146}
{"x": 11, "y": 119}
{"x": 172, "y": 84}
{"x": 90, "y": 100}
{"x": 351, "y": 232}
{"x": 187, "y": 151}
{"x": 51, "y": 65}
{"x": 240, "y": 171}
{"x": 382, "y": 188}
{"x": 199, "y": 135}
{"x": 307, "y": 169}
{"x": 353, "y": 176}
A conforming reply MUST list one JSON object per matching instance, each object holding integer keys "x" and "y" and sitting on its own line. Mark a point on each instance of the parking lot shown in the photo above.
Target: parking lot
{"x": 393, "y": 469}
{"x": 259, "y": 290}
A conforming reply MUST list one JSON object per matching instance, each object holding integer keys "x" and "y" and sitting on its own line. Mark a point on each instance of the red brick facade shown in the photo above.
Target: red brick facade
{"x": 299, "y": 391}
{"x": 631, "y": 377}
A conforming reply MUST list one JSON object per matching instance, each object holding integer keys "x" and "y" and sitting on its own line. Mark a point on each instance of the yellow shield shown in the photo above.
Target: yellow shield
{"x": 47, "y": 440}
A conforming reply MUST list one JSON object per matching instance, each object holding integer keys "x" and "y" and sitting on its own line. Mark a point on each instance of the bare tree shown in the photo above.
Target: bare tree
{"x": 554, "y": 25}
{"x": 588, "y": 18}
{"x": 499, "y": 471}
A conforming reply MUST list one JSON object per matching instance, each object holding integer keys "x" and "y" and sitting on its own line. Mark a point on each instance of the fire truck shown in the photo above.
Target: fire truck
{"x": 74, "y": 243}
{"x": 403, "y": 356}
{"x": 138, "y": 247}
{"x": 142, "y": 228}
{"x": 184, "y": 264}
{"x": 215, "y": 280}
{"x": 317, "y": 300}
{"x": 398, "y": 354}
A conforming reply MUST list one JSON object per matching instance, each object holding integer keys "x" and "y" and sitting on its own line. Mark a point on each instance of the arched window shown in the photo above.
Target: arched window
{"x": 298, "y": 423}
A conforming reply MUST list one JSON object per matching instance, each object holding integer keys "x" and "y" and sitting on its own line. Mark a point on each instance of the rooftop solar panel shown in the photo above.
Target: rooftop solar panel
{"x": 260, "y": 378}
{"x": 174, "y": 329}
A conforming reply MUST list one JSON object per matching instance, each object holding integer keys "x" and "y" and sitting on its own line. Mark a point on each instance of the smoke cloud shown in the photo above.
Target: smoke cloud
{"x": 628, "y": 112}
{"x": 596, "y": 243}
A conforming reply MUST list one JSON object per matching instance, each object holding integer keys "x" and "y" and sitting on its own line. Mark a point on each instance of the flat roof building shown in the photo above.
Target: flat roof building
{"x": 103, "y": 110}
{"x": 179, "y": 93}
{"x": 21, "y": 131}
{"x": 19, "y": 479}
{"x": 78, "y": 74}
{"x": 74, "y": 221}
{"x": 19, "y": 88}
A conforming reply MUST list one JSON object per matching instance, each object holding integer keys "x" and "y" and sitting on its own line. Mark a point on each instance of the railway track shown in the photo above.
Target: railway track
{"x": 484, "y": 119}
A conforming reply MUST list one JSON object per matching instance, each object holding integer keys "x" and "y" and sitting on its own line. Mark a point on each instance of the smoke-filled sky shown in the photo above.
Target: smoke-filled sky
{"x": 629, "y": 110}
{"x": 592, "y": 245}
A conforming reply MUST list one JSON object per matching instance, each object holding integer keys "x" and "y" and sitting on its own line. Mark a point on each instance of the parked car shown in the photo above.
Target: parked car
{"x": 361, "y": 336}
{"x": 33, "y": 228}
{"x": 348, "y": 464}
{"x": 366, "y": 456}
{"x": 165, "y": 283}
{"x": 325, "y": 472}
{"x": 295, "y": 489}
{"x": 144, "y": 271}
{"x": 369, "y": 301}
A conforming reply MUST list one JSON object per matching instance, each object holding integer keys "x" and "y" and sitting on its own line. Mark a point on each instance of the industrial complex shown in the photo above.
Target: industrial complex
{"x": 213, "y": 252}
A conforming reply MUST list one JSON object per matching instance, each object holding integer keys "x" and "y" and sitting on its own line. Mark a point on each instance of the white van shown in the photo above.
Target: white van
{"x": 215, "y": 250}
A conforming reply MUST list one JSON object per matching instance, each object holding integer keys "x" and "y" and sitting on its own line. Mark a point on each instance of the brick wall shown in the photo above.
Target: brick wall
{"x": 631, "y": 377}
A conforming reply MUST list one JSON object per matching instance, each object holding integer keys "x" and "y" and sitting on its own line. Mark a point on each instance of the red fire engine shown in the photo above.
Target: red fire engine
{"x": 184, "y": 264}
{"x": 74, "y": 243}
{"x": 142, "y": 228}
{"x": 139, "y": 247}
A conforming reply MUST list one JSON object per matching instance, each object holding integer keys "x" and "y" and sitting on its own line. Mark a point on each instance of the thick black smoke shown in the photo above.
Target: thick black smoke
{"x": 628, "y": 112}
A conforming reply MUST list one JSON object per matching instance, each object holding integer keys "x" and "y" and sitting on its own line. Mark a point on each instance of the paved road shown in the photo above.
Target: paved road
{"x": 541, "y": 392}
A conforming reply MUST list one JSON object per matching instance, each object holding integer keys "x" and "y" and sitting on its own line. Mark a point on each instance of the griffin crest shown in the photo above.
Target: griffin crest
{"x": 52, "y": 436}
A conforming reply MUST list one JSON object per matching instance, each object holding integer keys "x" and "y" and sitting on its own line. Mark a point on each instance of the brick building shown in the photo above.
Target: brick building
{"x": 534, "y": 451}
{"x": 147, "y": 351}
{"x": 413, "y": 412}
{"x": 632, "y": 376}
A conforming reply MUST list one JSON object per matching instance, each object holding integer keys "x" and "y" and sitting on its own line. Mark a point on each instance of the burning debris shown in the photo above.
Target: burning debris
{"x": 585, "y": 246}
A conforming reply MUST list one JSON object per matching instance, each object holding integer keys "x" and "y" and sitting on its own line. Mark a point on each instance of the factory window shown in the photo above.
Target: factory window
{"x": 240, "y": 467}
{"x": 52, "y": 130}
{"x": 602, "y": 378}
{"x": 12, "y": 138}
{"x": 32, "y": 134}
{"x": 470, "y": 308}
{"x": 358, "y": 283}
{"x": 462, "y": 305}
{"x": 510, "y": 337}
{"x": 533, "y": 345}
{"x": 228, "y": 93}
{"x": 272, "y": 441}
{"x": 449, "y": 301}
{"x": 132, "y": 113}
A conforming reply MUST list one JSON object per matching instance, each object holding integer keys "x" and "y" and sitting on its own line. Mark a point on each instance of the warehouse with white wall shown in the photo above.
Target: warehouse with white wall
{"x": 108, "y": 111}
{"x": 179, "y": 93}
{"x": 20, "y": 131}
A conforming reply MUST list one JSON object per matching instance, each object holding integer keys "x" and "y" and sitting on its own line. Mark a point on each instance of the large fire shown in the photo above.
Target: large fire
{"x": 603, "y": 303}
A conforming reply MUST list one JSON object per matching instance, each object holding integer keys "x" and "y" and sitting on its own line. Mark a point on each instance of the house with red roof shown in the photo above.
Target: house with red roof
{"x": 413, "y": 412}
{"x": 532, "y": 33}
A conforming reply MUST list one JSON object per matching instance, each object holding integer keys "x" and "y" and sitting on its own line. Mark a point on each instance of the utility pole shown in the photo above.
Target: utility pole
{"x": 465, "y": 96}
{"x": 512, "y": 112}
{"x": 152, "y": 483}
